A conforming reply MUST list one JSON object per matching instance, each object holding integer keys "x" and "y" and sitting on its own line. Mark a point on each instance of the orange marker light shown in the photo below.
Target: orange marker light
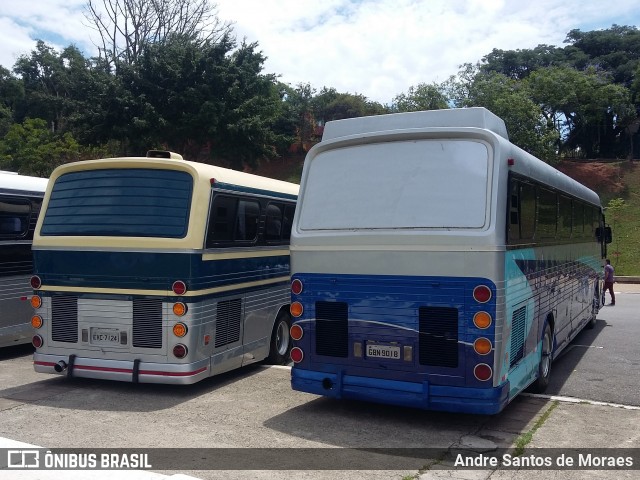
{"x": 36, "y": 301}
{"x": 296, "y": 332}
{"x": 482, "y": 320}
{"x": 180, "y": 329}
{"x": 296, "y": 309}
{"x": 482, "y": 346}
{"x": 36, "y": 321}
{"x": 179, "y": 309}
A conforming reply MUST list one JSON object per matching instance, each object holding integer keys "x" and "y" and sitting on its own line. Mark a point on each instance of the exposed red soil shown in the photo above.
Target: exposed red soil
{"x": 598, "y": 176}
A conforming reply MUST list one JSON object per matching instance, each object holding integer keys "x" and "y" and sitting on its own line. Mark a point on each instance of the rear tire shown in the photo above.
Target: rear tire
{"x": 544, "y": 367}
{"x": 280, "y": 346}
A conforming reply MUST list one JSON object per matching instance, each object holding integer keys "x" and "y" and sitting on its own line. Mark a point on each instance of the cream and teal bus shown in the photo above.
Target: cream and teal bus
{"x": 160, "y": 270}
{"x": 20, "y": 200}
{"x": 437, "y": 265}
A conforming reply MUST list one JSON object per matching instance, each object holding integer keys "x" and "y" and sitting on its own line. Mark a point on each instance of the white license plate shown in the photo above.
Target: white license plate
{"x": 105, "y": 336}
{"x": 383, "y": 351}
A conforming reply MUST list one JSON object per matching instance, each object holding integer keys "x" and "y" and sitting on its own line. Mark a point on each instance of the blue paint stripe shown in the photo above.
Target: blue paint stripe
{"x": 151, "y": 271}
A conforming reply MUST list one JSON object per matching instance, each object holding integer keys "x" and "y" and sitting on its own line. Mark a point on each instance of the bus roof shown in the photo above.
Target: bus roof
{"x": 202, "y": 170}
{"x": 13, "y": 182}
{"x": 476, "y": 117}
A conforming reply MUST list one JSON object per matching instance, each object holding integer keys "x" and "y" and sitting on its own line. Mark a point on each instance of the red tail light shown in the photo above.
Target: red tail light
{"x": 483, "y": 372}
{"x": 180, "y": 351}
{"x": 179, "y": 287}
{"x": 297, "y": 354}
{"x": 37, "y": 341}
{"x": 296, "y": 287}
{"x": 35, "y": 282}
{"x": 482, "y": 294}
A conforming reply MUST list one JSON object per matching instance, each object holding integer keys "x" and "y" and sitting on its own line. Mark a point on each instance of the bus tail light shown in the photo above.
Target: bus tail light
{"x": 36, "y": 321}
{"x": 35, "y": 282}
{"x": 37, "y": 341}
{"x": 482, "y": 346}
{"x": 296, "y": 287}
{"x": 180, "y": 351}
{"x": 296, "y": 331}
{"x": 36, "y": 301}
{"x": 297, "y": 354}
{"x": 482, "y": 294}
{"x": 180, "y": 329}
{"x": 296, "y": 309}
{"x": 179, "y": 287}
{"x": 482, "y": 320}
{"x": 483, "y": 372}
{"x": 179, "y": 309}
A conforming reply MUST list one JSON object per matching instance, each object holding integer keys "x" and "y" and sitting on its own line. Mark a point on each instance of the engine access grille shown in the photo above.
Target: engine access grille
{"x": 64, "y": 318}
{"x": 228, "y": 319}
{"x": 147, "y": 323}
{"x": 332, "y": 329}
{"x": 438, "y": 344}
{"x": 517, "y": 335}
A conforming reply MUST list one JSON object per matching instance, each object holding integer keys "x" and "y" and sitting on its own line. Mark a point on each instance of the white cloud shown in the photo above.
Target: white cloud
{"x": 377, "y": 48}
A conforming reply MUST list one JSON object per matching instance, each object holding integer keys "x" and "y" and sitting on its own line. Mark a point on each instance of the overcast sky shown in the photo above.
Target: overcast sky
{"x": 377, "y": 48}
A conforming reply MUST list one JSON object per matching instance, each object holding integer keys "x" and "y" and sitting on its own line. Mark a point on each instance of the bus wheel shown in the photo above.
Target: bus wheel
{"x": 544, "y": 367}
{"x": 280, "y": 340}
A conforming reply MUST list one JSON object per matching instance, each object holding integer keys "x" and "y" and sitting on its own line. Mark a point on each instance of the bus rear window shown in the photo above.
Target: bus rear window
{"x": 436, "y": 184}
{"x": 120, "y": 203}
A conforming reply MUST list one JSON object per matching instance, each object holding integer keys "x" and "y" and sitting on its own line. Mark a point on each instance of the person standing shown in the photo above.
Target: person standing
{"x": 609, "y": 280}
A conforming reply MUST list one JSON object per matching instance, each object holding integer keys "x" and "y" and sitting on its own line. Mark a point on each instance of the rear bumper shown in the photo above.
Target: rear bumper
{"x": 423, "y": 395}
{"x": 124, "y": 371}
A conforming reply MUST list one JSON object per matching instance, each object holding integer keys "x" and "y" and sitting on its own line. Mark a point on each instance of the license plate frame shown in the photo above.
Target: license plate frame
{"x": 104, "y": 336}
{"x": 382, "y": 351}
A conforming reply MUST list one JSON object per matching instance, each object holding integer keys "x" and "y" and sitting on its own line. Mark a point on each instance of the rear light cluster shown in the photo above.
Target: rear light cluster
{"x": 482, "y": 345}
{"x": 36, "y": 302}
{"x": 296, "y": 331}
{"x": 179, "y": 329}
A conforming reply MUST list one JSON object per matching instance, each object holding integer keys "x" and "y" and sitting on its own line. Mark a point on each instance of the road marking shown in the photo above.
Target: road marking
{"x": 580, "y": 400}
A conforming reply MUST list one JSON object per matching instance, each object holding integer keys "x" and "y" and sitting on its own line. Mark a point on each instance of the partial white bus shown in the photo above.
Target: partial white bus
{"x": 20, "y": 200}
{"x": 437, "y": 265}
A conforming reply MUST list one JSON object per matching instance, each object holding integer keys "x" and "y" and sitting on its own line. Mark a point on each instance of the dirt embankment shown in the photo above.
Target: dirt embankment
{"x": 602, "y": 177}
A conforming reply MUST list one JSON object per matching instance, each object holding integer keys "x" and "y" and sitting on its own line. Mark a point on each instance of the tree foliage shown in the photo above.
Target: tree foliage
{"x": 181, "y": 81}
{"x": 127, "y": 27}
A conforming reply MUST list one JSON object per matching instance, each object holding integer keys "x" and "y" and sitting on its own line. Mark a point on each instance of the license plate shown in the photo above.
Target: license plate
{"x": 105, "y": 336}
{"x": 389, "y": 352}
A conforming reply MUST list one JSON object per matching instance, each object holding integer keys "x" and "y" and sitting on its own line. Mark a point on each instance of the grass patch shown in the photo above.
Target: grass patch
{"x": 523, "y": 440}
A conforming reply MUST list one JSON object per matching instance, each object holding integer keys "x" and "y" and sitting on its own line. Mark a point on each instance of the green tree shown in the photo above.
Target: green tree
{"x": 421, "y": 97}
{"x": 31, "y": 148}
{"x": 510, "y": 100}
{"x": 585, "y": 108}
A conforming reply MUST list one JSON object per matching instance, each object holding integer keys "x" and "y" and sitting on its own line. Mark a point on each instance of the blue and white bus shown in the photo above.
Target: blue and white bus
{"x": 160, "y": 270}
{"x": 20, "y": 200}
{"x": 437, "y": 265}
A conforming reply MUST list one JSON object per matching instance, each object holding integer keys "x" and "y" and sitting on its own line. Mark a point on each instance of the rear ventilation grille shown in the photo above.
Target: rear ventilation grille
{"x": 517, "y": 335}
{"x": 332, "y": 329}
{"x": 438, "y": 343}
{"x": 64, "y": 319}
{"x": 228, "y": 319}
{"x": 147, "y": 323}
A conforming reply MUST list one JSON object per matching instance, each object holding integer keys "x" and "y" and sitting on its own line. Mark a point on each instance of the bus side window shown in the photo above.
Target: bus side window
{"x": 547, "y": 214}
{"x": 289, "y": 210}
{"x": 273, "y": 227}
{"x": 247, "y": 221}
{"x": 14, "y": 217}
{"x": 221, "y": 219}
{"x": 527, "y": 211}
